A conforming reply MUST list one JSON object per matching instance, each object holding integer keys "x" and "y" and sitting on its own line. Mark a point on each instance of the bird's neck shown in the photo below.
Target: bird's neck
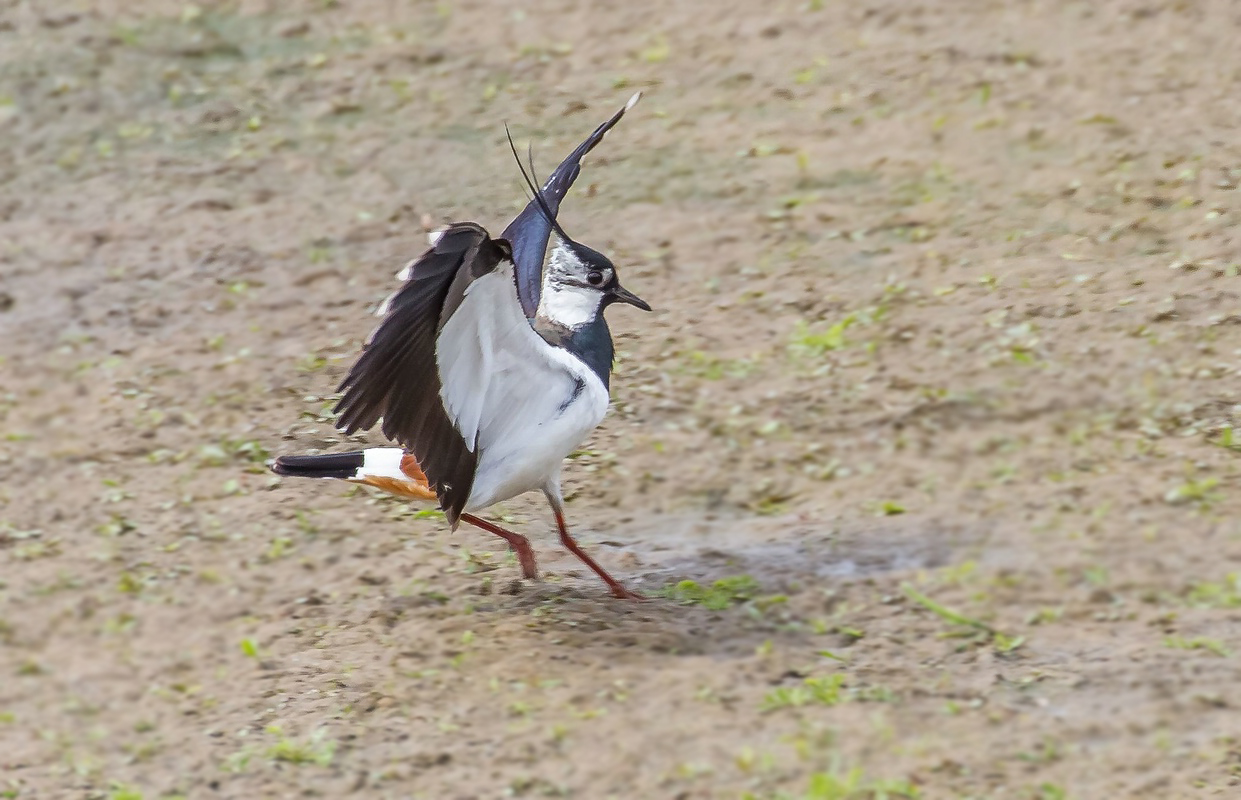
{"x": 590, "y": 342}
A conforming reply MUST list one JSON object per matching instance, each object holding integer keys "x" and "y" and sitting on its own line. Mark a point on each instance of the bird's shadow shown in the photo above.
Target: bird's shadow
{"x": 673, "y": 561}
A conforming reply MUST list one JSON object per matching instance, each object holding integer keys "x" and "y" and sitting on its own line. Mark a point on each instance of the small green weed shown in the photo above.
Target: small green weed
{"x": 316, "y": 749}
{"x": 718, "y": 596}
{"x": 1198, "y": 643}
{"x": 955, "y": 617}
{"x": 838, "y": 784}
{"x": 806, "y": 343}
{"x": 1050, "y": 791}
{"x": 1228, "y": 440}
{"x": 1226, "y": 594}
{"x": 1003, "y": 643}
{"x": 825, "y": 691}
{"x": 122, "y": 792}
{"x": 1202, "y": 493}
{"x": 714, "y": 368}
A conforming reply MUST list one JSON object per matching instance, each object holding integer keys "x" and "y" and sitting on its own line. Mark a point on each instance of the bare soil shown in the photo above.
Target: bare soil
{"x": 939, "y": 388}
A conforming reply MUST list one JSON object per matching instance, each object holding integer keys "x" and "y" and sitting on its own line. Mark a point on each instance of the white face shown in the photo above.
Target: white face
{"x": 567, "y": 300}
{"x": 570, "y": 306}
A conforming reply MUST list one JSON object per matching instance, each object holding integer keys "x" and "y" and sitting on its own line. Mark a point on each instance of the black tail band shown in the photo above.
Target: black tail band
{"x": 329, "y": 465}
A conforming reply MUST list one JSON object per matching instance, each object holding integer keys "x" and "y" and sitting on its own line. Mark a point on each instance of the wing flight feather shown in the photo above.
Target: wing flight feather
{"x": 397, "y": 376}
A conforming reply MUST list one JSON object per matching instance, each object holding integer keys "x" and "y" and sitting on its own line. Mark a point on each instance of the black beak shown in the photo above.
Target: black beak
{"x": 623, "y": 295}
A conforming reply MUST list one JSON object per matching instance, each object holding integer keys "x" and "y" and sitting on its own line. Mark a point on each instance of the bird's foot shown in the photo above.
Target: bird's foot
{"x": 621, "y": 593}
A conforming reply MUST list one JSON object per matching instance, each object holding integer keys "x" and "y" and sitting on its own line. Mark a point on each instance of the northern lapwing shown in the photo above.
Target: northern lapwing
{"x": 488, "y": 368}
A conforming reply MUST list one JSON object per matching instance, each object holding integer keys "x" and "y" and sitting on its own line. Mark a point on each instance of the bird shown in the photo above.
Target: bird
{"x": 490, "y": 365}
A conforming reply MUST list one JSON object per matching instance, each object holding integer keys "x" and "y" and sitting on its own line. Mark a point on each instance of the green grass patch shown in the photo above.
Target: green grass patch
{"x": 713, "y": 368}
{"x": 718, "y": 596}
{"x": 1228, "y": 440}
{"x": 1201, "y": 493}
{"x": 809, "y": 343}
{"x": 1198, "y": 643}
{"x": 836, "y": 783}
{"x": 1225, "y": 594}
{"x": 825, "y": 691}
{"x": 315, "y": 749}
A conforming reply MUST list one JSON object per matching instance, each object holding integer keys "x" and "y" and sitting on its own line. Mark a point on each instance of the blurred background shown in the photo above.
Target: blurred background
{"x": 926, "y": 455}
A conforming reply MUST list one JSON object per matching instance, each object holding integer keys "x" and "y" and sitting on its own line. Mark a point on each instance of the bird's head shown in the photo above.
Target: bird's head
{"x": 578, "y": 283}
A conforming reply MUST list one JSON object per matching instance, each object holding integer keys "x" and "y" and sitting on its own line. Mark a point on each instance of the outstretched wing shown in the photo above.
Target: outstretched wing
{"x": 530, "y": 231}
{"x": 397, "y": 376}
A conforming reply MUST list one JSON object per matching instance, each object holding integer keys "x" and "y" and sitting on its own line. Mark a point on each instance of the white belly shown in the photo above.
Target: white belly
{"x": 530, "y": 457}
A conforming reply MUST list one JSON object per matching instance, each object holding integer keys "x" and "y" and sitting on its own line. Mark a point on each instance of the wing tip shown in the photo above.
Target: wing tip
{"x": 633, "y": 101}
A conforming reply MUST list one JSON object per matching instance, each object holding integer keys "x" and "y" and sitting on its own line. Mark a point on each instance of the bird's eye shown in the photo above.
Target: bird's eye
{"x": 594, "y": 278}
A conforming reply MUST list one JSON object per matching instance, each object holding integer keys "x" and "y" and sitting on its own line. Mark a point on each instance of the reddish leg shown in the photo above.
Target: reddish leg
{"x": 519, "y": 543}
{"x": 618, "y": 590}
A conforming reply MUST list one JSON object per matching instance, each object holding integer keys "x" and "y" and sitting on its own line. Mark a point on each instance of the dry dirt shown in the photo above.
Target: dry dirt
{"x": 940, "y": 387}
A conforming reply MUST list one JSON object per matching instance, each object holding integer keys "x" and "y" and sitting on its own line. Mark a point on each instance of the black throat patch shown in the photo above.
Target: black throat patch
{"x": 592, "y": 343}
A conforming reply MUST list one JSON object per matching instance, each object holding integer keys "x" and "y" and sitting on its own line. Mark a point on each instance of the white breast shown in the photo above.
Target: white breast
{"x": 521, "y": 402}
{"x": 530, "y": 454}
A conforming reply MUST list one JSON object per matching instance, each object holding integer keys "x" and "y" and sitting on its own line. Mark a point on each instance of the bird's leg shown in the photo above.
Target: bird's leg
{"x": 519, "y": 544}
{"x": 618, "y": 589}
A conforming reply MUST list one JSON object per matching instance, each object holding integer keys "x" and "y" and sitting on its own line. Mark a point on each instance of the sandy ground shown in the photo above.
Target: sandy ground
{"x": 925, "y": 453}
